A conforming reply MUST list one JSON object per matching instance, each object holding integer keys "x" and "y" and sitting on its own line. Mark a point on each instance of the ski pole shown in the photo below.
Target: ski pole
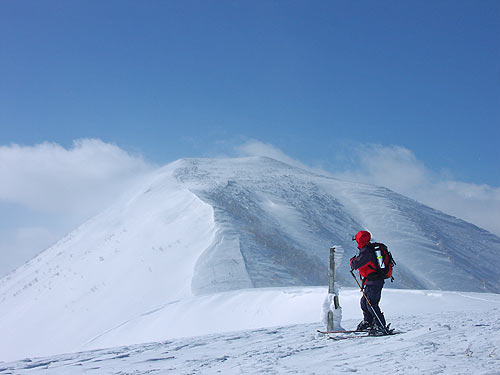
{"x": 369, "y": 303}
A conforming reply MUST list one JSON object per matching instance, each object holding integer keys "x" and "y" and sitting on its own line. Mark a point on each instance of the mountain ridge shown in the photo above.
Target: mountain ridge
{"x": 202, "y": 226}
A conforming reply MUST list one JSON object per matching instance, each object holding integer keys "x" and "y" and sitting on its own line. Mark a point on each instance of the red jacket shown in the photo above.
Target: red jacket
{"x": 365, "y": 261}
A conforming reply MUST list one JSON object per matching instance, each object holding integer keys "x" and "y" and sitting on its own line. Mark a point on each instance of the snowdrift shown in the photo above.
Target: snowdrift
{"x": 444, "y": 332}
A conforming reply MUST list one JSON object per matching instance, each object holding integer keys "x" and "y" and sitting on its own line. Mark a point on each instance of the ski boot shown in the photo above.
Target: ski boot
{"x": 377, "y": 330}
{"x": 363, "y": 326}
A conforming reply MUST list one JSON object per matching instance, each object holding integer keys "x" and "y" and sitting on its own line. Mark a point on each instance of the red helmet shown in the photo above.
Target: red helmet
{"x": 363, "y": 238}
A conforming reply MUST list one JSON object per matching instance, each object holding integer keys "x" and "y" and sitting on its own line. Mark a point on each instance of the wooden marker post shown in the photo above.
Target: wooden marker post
{"x": 331, "y": 288}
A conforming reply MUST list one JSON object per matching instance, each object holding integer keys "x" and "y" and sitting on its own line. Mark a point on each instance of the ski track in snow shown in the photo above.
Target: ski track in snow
{"x": 443, "y": 343}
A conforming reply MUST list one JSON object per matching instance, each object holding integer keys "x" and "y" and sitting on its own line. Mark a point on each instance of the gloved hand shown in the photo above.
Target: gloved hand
{"x": 350, "y": 261}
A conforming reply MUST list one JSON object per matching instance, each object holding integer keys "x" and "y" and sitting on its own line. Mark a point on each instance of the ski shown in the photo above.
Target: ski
{"x": 367, "y": 334}
{"x": 348, "y": 331}
{"x": 337, "y": 338}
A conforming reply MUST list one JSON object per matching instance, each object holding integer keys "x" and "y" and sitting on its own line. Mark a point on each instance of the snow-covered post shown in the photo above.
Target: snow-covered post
{"x": 332, "y": 312}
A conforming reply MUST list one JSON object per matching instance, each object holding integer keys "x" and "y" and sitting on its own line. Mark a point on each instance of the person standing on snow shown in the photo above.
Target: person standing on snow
{"x": 365, "y": 263}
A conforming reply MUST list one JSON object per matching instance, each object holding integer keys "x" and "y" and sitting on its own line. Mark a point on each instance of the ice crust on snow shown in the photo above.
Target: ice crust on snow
{"x": 202, "y": 226}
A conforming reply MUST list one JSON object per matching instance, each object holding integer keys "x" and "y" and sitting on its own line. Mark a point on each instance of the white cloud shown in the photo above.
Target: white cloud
{"x": 47, "y": 190}
{"x": 48, "y": 177}
{"x": 398, "y": 169}
{"x": 478, "y": 204}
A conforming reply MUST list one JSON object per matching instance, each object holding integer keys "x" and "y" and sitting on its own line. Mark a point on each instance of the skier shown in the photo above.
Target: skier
{"x": 372, "y": 283}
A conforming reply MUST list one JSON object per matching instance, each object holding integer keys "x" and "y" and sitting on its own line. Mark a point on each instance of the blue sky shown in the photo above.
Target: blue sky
{"x": 171, "y": 79}
{"x": 404, "y": 94}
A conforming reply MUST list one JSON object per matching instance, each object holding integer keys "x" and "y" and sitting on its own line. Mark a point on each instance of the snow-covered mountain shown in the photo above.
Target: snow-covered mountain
{"x": 204, "y": 226}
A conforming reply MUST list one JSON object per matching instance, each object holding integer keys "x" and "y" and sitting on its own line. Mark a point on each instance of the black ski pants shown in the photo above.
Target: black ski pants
{"x": 373, "y": 293}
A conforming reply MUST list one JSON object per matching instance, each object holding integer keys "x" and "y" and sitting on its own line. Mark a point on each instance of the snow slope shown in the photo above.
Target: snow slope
{"x": 202, "y": 226}
{"x": 444, "y": 333}
{"x": 114, "y": 267}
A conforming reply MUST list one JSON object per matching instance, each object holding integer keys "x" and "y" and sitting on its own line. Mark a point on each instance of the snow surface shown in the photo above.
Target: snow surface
{"x": 155, "y": 265}
{"x": 444, "y": 333}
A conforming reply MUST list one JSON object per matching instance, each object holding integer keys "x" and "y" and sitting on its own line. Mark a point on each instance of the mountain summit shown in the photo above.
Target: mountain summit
{"x": 275, "y": 224}
{"x": 201, "y": 226}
